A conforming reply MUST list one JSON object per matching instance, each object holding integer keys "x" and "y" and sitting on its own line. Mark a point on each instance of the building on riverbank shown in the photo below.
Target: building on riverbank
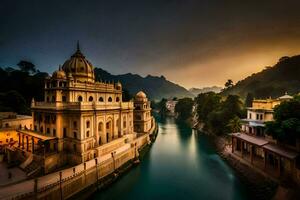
{"x": 80, "y": 119}
{"x": 10, "y": 122}
{"x": 278, "y": 159}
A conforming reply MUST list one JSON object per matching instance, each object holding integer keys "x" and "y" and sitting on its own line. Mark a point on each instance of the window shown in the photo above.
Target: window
{"x": 75, "y": 135}
{"x": 74, "y": 147}
{"x": 87, "y": 124}
{"x": 65, "y": 132}
{"x": 250, "y": 115}
{"x": 53, "y": 99}
{"x": 35, "y": 128}
{"x": 101, "y": 99}
{"x": 80, "y": 98}
{"x": 60, "y": 84}
{"x": 88, "y": 134}
{"x": 41, "y": 129}
{"x": 64, "y": 98}
{"x": 90, "y": 98}
{"x": 75, "y": 124}
{"x": 117, "y": 99}
{"x": 6, "y": 125}
{"x": 48, "y": 99}
{"x": 261, "y": 117}
{"x": 109, "y": 99}
{"x": 257, "y": 116}
{"x": 54, "y": 132}
{"x": 48, "y": 130}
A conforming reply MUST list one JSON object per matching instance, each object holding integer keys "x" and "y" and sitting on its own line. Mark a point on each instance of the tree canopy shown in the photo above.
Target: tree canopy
{"x": 286, "y": 124}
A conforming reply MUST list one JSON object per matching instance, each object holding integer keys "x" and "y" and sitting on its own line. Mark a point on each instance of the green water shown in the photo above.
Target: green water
{"x": 181, "y": 164}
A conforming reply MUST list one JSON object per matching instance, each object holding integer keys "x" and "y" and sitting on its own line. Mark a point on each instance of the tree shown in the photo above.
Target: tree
{"x": 234, "y": 125}
{"x": 184, "y": 108}
{"x": 26, "y": 66}
{"x": 286, "y": 124}
{"x": 206, "y": 103}
{"x": 229, "y": 83}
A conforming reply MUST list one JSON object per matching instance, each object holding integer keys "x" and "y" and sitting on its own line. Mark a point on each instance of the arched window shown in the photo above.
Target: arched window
{"x": 90, "y": 98}
{"x": 80, "y": 98}
{"x": 109, "y": 99}
{"x": 87, "y": 124}
{"x": 101, "y": 99}
{"x": 100, "y": 127}
{"x": 117, "y": 99}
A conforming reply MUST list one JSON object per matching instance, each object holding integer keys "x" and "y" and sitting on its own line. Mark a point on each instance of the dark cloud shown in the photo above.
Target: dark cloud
{"x": 192, "y": 42}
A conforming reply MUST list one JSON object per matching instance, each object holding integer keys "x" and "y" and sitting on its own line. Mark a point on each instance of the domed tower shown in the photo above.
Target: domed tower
{"x": 142, "y": 113}
{"x": 80, "y": 68}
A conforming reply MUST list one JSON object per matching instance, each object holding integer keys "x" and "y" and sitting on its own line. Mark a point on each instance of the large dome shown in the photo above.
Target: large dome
{"x": 80, "y": 68}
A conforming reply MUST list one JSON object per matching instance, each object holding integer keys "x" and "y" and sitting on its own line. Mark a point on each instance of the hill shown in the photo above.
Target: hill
{"x": 272, "y": 81}
{"x": 196, "y": 91}
{"x": 155, "y": 87}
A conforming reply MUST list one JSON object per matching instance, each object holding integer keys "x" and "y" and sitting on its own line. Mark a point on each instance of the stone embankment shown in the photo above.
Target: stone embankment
{"x": 81, "y": 180}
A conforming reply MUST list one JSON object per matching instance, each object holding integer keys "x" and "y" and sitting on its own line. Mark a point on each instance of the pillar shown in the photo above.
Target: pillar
{"x": 27, "y": 144}
{"x": 242, "y": 148}
{"x": 23, "y": 141}
{"x": 32, "y": 144}
{"x": 279, "y": 165}
{"x": 265, "y": 159}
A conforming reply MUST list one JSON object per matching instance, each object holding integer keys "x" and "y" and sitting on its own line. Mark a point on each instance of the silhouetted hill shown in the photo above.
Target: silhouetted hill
{"x": 196, "y": 91}
{"x": 272, "y": 81}
{"x": 154, "y": 86}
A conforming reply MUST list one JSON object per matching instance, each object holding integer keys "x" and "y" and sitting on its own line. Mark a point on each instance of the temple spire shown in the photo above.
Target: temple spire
{"x": 78, "y": 49}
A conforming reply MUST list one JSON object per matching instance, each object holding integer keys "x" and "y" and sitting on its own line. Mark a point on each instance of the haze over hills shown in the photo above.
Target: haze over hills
{"x": 197, "y": 91}
{"x": 155, "y": 87}
{"x": 272, "y": 81}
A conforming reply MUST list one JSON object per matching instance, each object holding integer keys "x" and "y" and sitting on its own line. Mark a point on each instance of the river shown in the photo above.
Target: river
{"x": 181, "y": 164}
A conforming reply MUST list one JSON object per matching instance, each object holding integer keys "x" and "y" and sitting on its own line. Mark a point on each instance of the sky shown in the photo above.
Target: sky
{"x": 194, "y": 43}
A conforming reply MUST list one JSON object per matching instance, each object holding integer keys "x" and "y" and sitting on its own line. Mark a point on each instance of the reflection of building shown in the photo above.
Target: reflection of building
{"x": 261, "y": 150}
{"x": 170, "y": 105}
{"x": 78, "y": 119}
{"x": 142, "y": 113}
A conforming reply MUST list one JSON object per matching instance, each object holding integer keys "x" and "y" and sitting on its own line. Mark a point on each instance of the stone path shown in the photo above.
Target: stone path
{"x": 16, "y": 174}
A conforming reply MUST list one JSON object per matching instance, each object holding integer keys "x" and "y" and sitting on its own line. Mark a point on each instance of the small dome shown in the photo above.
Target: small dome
{"x": 140, "y": 94}
{"x": 80, "y": 67}
{"x": 285, "y": 97}
{"x": 59, "y": 74}
{"x": 118, "y": 85}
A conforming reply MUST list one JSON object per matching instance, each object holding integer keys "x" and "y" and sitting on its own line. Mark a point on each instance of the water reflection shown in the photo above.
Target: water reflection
{"x": 181, "y": 164}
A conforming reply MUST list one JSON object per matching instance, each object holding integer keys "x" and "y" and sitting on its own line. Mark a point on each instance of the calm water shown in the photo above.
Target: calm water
{"x": 180, "y": 165}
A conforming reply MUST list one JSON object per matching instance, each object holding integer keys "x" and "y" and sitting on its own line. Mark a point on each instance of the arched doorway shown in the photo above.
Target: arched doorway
{"x": 109, "y": 131}
{"x": 101, "y": 133}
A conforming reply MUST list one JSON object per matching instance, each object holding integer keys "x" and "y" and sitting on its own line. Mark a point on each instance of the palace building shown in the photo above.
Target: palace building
{"x": 80, "y": 118}
{"x": 261, "y": 150}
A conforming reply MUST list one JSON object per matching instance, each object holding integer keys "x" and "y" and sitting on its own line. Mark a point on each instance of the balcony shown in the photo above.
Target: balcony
{"x": 82, "y": 105}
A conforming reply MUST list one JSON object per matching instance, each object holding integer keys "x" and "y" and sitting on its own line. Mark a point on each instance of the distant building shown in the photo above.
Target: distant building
{"x": 79, "y": 119}
{"x": 261, "y": 150}
{"x": 10, "y": 122}
{"x": 170, "y": 105}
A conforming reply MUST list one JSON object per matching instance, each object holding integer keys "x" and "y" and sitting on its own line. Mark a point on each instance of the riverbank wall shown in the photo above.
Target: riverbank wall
{"x": 82, "y": 179}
